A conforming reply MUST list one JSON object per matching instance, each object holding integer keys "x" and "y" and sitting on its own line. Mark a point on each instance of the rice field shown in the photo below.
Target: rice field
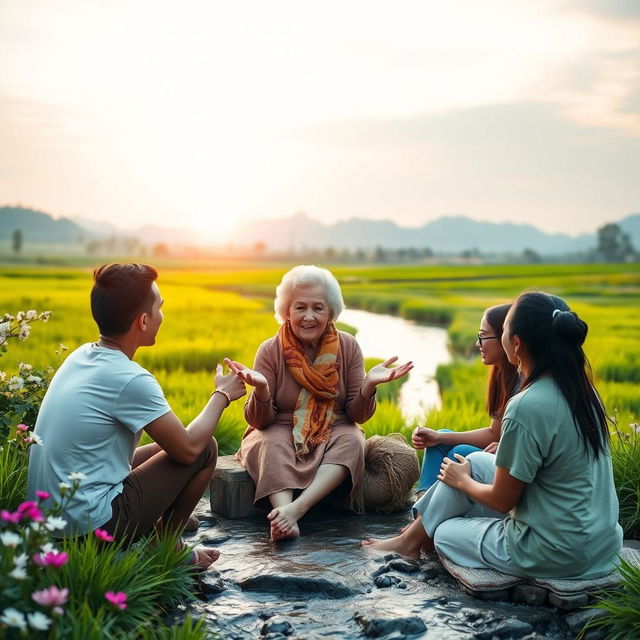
{"x": 210, "y": 314}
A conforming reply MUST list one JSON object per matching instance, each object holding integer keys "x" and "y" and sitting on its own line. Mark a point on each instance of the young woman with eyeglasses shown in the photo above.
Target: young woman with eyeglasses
{"x": 503, "y": 383}
{"x": 545, "y": 505}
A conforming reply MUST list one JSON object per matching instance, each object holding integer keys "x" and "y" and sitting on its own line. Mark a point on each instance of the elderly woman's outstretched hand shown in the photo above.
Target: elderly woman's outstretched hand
{"x": 382, "y": 373}
{"x": 251, "y": 377}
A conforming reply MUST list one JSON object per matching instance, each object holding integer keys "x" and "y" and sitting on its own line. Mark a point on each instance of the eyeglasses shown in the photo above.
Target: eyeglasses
{"x": 481, "y": 338}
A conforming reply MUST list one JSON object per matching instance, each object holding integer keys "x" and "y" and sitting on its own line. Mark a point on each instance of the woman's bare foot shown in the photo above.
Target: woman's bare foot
{"x": 399, "y": 544}
{"x": 203, "y": 557}
{"x": 278, "y": 534}
{"x": 284, "y": 522}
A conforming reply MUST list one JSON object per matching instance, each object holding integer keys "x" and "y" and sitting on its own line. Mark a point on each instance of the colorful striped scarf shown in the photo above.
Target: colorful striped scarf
{"x": 315, "y": 407}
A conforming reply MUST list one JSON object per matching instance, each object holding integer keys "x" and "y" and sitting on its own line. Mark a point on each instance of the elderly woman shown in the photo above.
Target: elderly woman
{"x": 309, "y": 393}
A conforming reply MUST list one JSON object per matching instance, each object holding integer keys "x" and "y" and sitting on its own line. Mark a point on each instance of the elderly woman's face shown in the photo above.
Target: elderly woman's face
{"x": 309, "y": 314}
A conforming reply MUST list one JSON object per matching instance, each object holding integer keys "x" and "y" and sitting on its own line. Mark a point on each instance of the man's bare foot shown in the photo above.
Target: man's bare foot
{"x": 284, "y": 522}
{"x": 203, "y": 557}
{"x": 399, "y": 544}
{"x": 192, "y": 524}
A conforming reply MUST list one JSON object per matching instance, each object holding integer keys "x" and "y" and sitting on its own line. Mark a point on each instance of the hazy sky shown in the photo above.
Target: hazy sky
{"x": 204, "y": 113}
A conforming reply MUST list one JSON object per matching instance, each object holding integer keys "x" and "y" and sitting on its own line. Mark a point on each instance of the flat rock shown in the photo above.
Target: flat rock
{"x": 211, "y": 583}
{"x": 577, "y": 620}
{"x": 512, "y": 628}
{"x": 404, "y": 566}
{"x": 376, "y": 627}
{"x": 276, "y": 626}
{"x": 296, "y": 584}
{"x": 529, "y": 594}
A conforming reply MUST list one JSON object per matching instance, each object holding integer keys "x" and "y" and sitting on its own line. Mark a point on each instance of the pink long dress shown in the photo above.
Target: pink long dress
{"x": 267, "y": 445}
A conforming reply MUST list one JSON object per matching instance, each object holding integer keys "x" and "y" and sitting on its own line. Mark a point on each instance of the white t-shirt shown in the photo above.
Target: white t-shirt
{"x": 90, "y": 421}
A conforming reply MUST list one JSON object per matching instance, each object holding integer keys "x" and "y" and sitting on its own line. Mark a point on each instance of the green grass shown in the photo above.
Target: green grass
{"x": 622, "y": 606}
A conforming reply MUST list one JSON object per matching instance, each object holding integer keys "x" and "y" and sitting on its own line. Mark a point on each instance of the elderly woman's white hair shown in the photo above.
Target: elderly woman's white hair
{"x": 307, "y": 275}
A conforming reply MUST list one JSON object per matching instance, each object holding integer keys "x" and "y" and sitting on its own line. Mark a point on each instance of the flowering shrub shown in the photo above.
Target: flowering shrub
{"x": 28, "y": 562}
{"x": 22, "y": 393}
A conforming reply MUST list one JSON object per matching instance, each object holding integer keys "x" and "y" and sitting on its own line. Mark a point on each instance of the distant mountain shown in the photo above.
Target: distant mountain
{"x": 37, "y": 226}
{"x": 447, "y": 234}
{"x": 97, "y": 229}
{"x": 300, "y": 232}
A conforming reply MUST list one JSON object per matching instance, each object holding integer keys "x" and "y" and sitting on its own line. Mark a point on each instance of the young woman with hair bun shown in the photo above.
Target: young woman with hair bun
{"x": 545, "y": 505}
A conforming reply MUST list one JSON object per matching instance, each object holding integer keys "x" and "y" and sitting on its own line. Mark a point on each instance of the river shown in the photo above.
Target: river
{"x": 383, "y": 336}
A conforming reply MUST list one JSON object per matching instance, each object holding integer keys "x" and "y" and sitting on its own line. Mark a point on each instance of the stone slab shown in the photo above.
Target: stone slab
{"x": 564, "y": 593}
{"x": 232, "y": 490}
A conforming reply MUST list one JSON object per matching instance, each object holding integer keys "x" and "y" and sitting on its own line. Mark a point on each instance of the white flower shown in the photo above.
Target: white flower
{"x": 77, "y": 476}
{"x": 44, "y": 316}
{"x": 35, "y": 526}
{"x": 53, "y": 524}
{"x": 38, "y": 620}
{"x": 23, "y": 366}
{"x": 4, "y": 328}
{"x": 35, "y": 438}
{"x": 3, "y": 375}
{"x": 48, "y": 548}
{"x": 10, "y": 539}
{"x": 25, "y": 330}
{"x": 18, "y": 573}
{"x": 20, "y": 316}
{"x": 31, "y": 314}
{"x": 13, "y": 618}
{"x": 21, "y": 560}
{"x": 15, "y": 383}
{"x": 64, "y": 486}
{"x": 635, "y": 427}
{"x": 34, "y": 379}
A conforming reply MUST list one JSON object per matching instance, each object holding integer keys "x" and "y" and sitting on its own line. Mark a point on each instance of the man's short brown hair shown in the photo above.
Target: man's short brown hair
{"x": 120, "y": 292}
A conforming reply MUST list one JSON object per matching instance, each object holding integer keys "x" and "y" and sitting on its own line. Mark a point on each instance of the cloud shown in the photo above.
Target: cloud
{"x": 618, "y": 9}
{"x": 522, "y": 161}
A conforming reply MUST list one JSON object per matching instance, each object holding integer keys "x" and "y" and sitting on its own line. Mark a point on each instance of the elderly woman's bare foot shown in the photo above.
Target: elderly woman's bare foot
{"x": 284, "y": 522}
{"x": 399, "y": 544}
{"x": 203, "y": 557}
{"x": 289, "y": 534}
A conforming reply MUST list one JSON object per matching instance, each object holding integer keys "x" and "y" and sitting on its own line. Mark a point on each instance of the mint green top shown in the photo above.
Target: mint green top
{"x": 566, "y": 521}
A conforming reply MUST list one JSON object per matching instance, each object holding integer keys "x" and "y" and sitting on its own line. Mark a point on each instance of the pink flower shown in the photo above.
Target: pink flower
{"x": 30, "y": 510}
{"x": 51, "y": 597}
{"x": 43, "y": 495}
{"x": 118, "y": 599}
{"x": 27, "y": 440}
{"x": 103, "y": 535}
{"x": 7, "y": 516}
{"x": 51, "y": 559}
{"x": 22, "y": 427}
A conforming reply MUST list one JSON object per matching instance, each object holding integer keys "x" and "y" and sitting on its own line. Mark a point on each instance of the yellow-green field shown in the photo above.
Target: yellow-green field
{"x": 213, "y": 314}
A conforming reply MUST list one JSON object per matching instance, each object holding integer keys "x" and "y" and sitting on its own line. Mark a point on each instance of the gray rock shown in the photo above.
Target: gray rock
{"x": 376, "y": 627}
{"x": 285, "y": 585}
{"x": 431, "y": 573}
{"x": 577, "y": 620}
{"x": 211, "y": 583}
{"x": 276, "y": 625}
{"x": 595, "y": 634}
{"x": 385, "y": 581}
{"x": 512, "y": 628}
{"x": 404, "y": 566}
{"x": 380, "y": 570}
{"x": 568, "y": 603}
{"x": 530, "y": 594}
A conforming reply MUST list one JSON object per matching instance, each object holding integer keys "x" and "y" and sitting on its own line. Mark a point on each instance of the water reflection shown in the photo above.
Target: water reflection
{"x": 381, "y": 336}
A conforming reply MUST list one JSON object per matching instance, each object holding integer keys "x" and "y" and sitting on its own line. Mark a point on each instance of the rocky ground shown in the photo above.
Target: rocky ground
{"x": 325, "y": 585}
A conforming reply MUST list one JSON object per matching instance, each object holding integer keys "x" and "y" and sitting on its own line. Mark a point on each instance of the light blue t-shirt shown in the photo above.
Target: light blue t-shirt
{"x": 90, "y": 421}
{"x": 566, "y": 521}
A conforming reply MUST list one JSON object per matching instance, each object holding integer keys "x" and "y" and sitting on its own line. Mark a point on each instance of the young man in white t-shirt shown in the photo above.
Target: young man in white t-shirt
{"x": 95, "y": 409}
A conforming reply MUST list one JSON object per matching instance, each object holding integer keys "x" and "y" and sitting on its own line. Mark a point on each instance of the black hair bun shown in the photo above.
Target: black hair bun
{"x": 569, "y": 327}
